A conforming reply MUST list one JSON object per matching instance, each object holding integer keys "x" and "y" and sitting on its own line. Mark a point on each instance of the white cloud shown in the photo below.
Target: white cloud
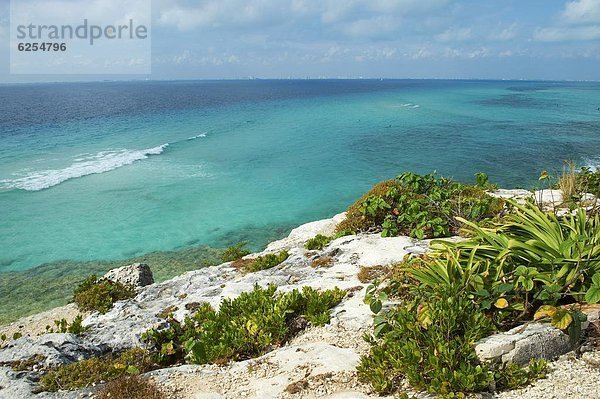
{"x": 567, "y": 34}
{"x": 351, "y": 14}
{"x": 454, "y": 35}
{"x": 507, "y": 33}
{"x": 579, "y": 21}
{"x": 334, "y": 52}
{"x": 188, "y": 57}
{"x": 481, "y": 52}
{"x": 236, "y": 13}
{"x": 59, "y": 12}
{"x": 376, "y": 54}
{"x": 582, "y": 12}
{"x": 371, "y": 27}
{"x": 421, "y": 53}
{"x": 336, "y": 10}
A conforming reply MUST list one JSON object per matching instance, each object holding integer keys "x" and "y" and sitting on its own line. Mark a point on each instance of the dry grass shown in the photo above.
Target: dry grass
{"x": 131, "y": 387}
{"x": 568, "y": 181}
{"x": 166, "y": 312}
{"x": 366, "y": 274}
{"x": 322, "y": 261}
{"x": 242, "y": 264}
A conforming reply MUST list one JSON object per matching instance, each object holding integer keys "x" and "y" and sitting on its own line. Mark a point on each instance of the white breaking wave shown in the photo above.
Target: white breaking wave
{"x": 407, "y": 105}
{"x": 196, "y": 137}
{"x": 101, "y": 162}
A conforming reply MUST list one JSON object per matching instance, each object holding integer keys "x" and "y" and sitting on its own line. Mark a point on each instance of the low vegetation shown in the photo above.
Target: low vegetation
{"x": 367, "y": 274}
{"x": 318, "y": 242}
{"x": 588, "y": 181}
{"x": 26, "y": 364}
{"x": 63, "y": 326}
{"x": 100, "y": 295}
{"x": 521, "y": 268}
{"x": 235, "y": 252}
{"x": 421, "y": 206}
{"x": 130, "y": 387}
{"x": 517, "y": 263}
{"x": 322, "y": 261}
{"x": 87, "y": 372}
{"x": 263, "y": 262}
{"x": 567, "y": 182}
{"x": 245, "y": 327}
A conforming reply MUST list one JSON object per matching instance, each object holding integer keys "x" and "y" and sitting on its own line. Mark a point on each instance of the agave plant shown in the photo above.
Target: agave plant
{"x": 535, "y": 252}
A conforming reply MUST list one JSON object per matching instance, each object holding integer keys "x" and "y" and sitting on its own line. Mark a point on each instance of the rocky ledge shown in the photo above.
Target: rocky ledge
{"x": 320, "y": 362}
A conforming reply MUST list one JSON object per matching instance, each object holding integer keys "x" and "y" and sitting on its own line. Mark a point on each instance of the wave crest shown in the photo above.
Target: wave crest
{"x": 101, "y": 162}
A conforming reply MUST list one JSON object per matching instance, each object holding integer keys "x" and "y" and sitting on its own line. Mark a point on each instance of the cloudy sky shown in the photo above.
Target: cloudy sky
{"x": 207, "y": 39}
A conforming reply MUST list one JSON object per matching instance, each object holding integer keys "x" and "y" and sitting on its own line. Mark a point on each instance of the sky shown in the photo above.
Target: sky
{"x": 232, "y": 39}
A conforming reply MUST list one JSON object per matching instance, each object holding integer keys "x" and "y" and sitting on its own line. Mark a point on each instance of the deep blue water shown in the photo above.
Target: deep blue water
{"x": 103, "y": 171}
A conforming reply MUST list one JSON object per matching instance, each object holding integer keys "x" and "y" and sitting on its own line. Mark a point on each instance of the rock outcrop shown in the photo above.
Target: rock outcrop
{"x": 55, "y": 349}
{"x": 319, "y": 356}
{"x": 320, "y": 362}
{"x": 136, "y": 275}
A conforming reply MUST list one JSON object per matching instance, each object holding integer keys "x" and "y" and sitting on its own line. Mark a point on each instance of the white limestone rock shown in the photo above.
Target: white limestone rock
{"x": 303, "y": 233}
{"x": 55, "y": 348}
{"x": 550, "y": 199}
{"x": 518, "y": 195}
{"x": 136, "y": 275}
{"x": 523, "y": 343}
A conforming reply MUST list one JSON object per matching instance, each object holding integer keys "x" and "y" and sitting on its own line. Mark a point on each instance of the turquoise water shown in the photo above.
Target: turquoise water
{"x": 108, "y": 171}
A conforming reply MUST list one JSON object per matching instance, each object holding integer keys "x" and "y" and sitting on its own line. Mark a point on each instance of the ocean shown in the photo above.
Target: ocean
{"x": 108, "y": 171}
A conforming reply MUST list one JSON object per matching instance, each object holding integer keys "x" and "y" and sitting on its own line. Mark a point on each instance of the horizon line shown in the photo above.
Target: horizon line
{"x": 252, "y": 78}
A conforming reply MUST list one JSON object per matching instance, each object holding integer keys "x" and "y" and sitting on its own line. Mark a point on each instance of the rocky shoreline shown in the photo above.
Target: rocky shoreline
{"x": 318, "y": 363}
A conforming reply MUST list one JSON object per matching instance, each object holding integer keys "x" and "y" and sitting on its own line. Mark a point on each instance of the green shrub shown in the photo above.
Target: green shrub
{"x": 318, "y": 242}
{"x": 100, "y": 295}
{"x": 86, "y": 372}
{"x": 511, "y": 376}
{"x": 245, "y": 327}
{"x": 588, "y": 181}
{"x": 235, "y": 252}
{"x": 430, "y": 342}
{"x": 267, "y": 261}
{"x": 421, "y": 206}
{"x": 355, "y": 220}
{"x": 63, "y": 326}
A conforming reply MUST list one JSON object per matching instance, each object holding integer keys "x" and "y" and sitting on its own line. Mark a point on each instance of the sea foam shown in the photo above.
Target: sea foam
{"x": 84, "y": 165}
{"x": 201, "y": 135}
{"x": 101, "y": 162}
{"x": 407, "y": 105}
{"x": 593, "y": 164}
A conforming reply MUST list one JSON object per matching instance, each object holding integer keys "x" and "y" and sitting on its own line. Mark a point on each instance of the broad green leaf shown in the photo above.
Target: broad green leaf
{"x": 376, "y": 306}
{"x": 593, "y": 295}
{"x": 503, "y": 288}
